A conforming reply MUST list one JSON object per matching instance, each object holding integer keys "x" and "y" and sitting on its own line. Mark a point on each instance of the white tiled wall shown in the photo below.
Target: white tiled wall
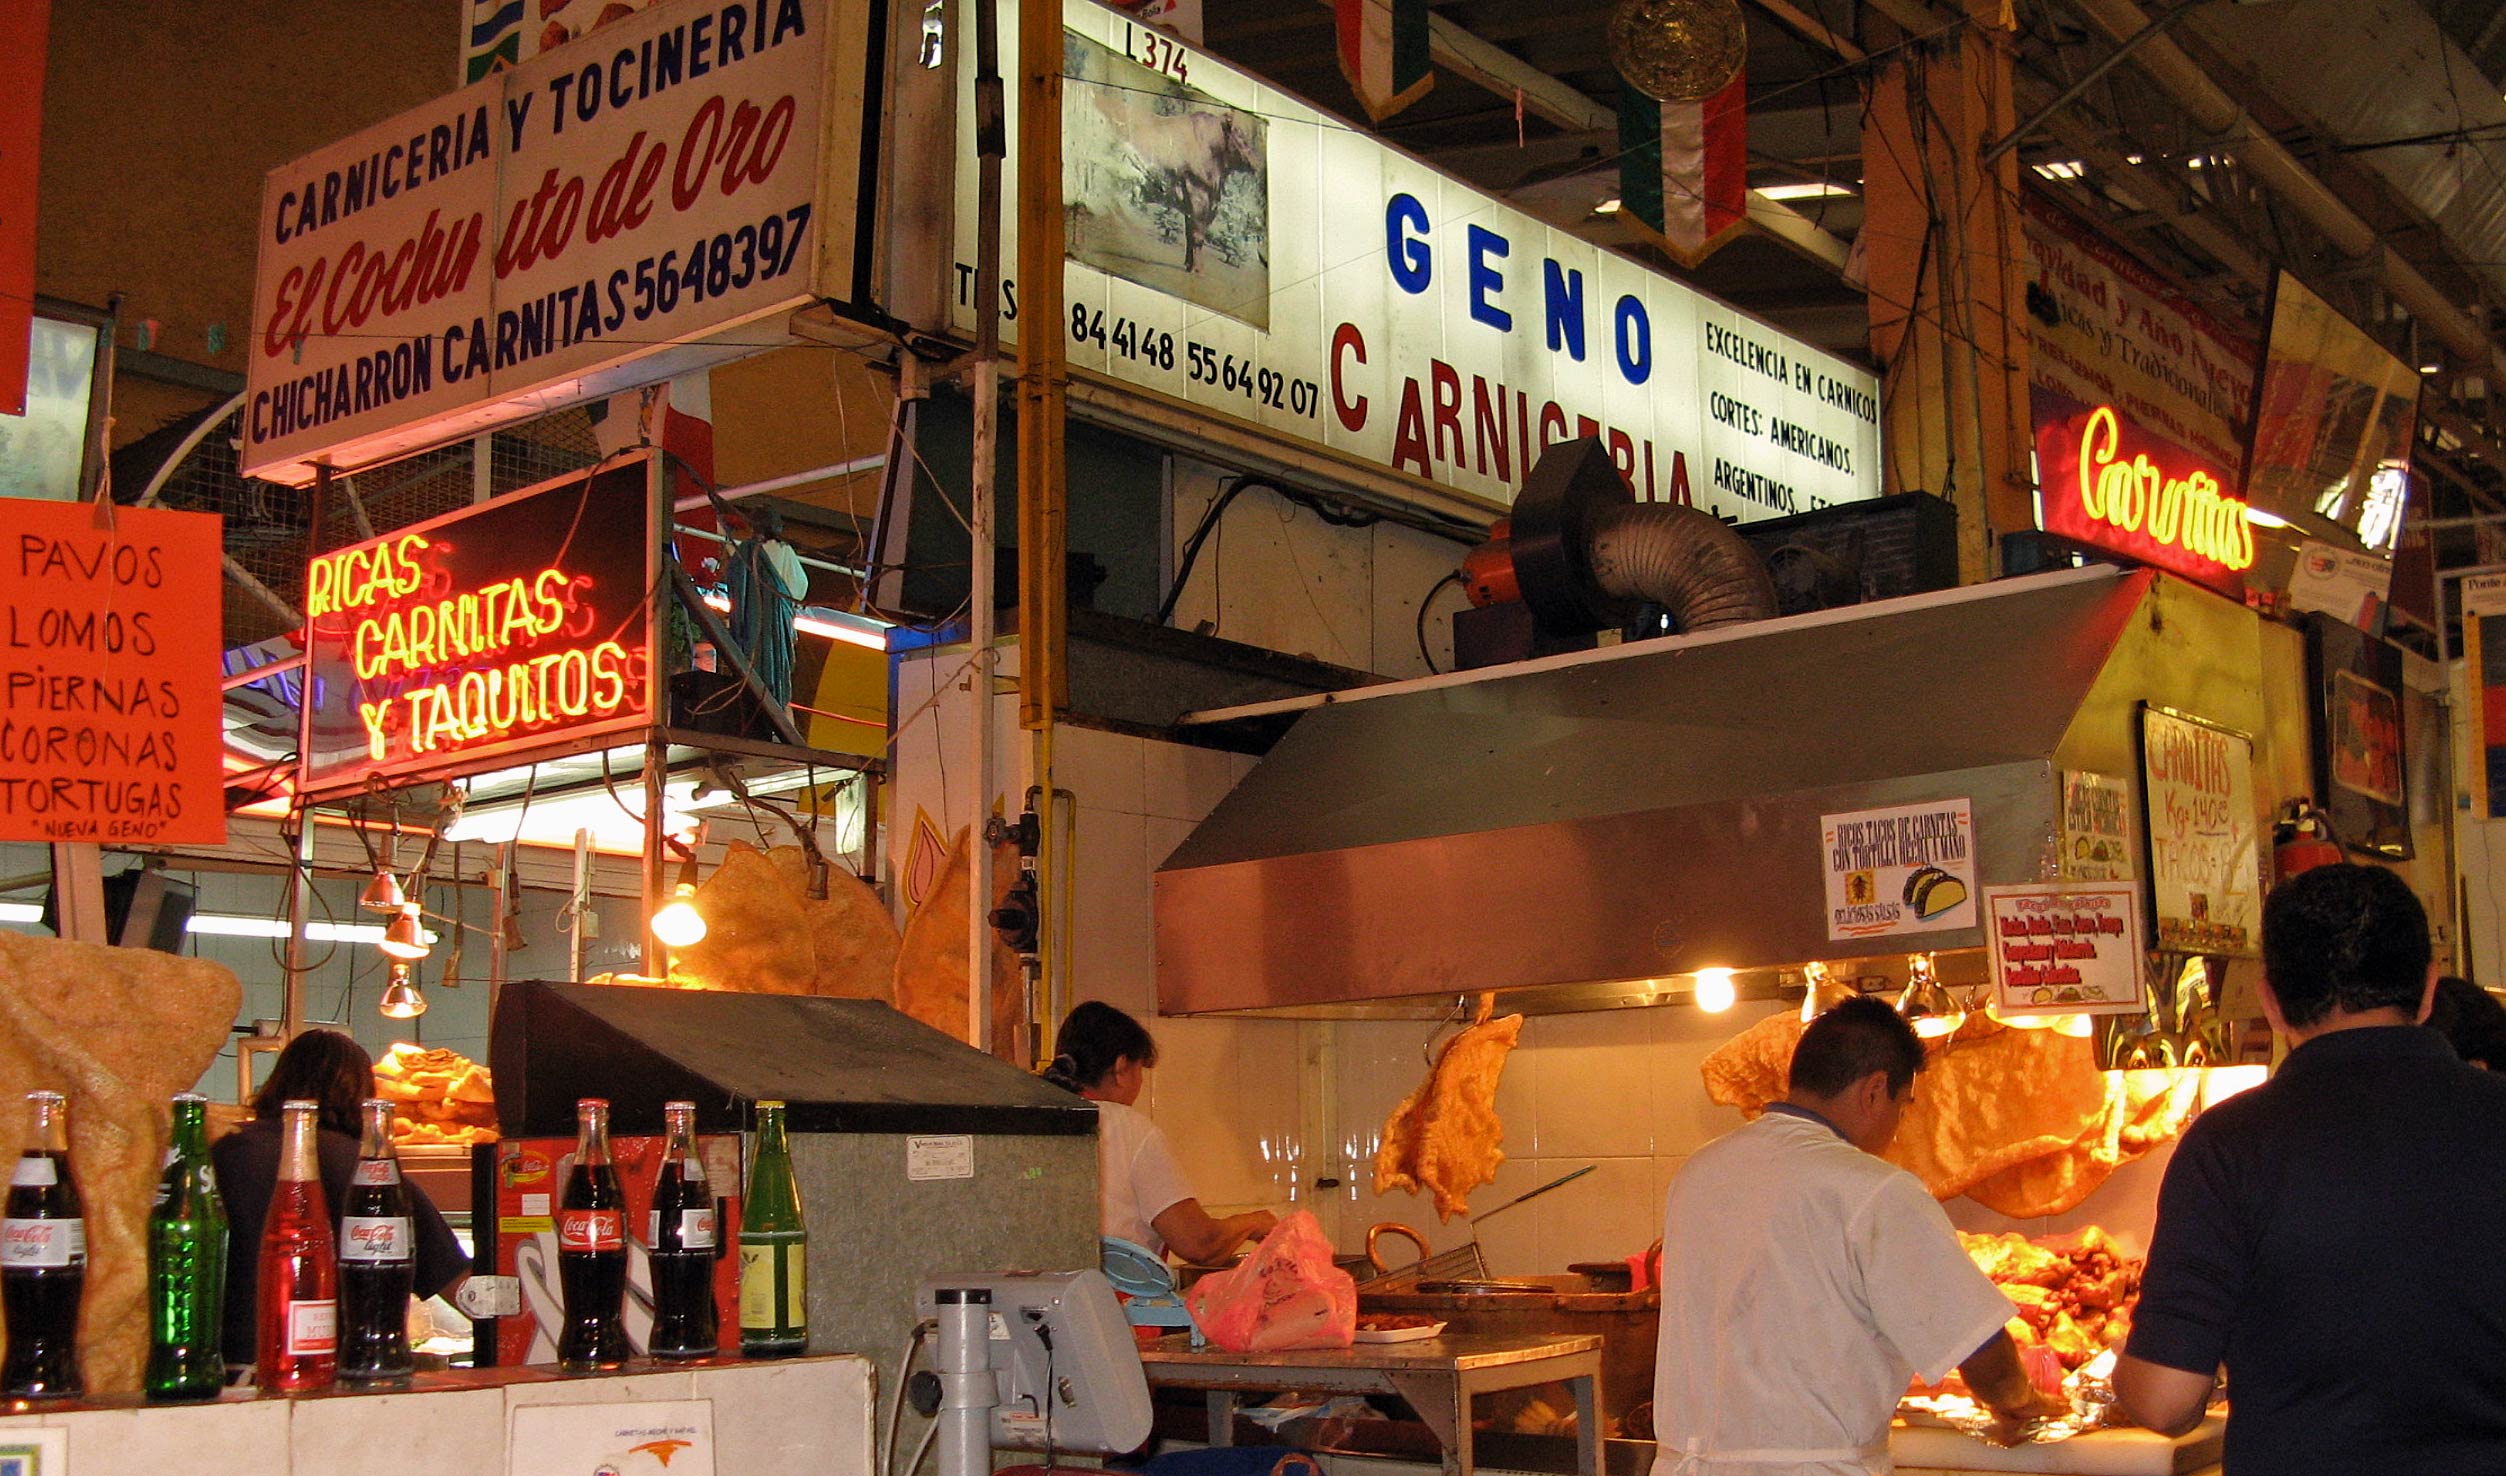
{"x": 1616, "y": 1089}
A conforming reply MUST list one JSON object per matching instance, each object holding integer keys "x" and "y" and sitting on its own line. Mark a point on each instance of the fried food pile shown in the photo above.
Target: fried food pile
{"x": 2021, "y": 1121}
{"x": 118, "y": 1030}
{"x": 764, "y": 933}
{"x": 1445, "y": 1136}
{"x": 438, "y": 1096}
{"x": 2074, "y": 1301}
{"x": 931, "y": 972}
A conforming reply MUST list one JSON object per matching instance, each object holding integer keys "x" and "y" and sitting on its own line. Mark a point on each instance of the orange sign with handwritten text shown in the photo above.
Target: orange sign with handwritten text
{"x": 109, "y": 676}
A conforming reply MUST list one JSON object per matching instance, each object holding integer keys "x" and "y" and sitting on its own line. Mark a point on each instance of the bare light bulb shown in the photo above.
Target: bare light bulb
{"x": 402, "y": 937}
{"x": 401, "y": 999}
{"x": 1714, "y": 991}
{"x": 678, "y": 924}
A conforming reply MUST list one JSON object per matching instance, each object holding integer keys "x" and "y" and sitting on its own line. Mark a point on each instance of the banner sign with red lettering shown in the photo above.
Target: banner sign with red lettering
{"x": 1233, "y": 254}
{"x": 2109, "y": 484}
{"x": 110, "y": 727}
{"x": 2067, "y": 948}
{"x": 2104, "y": 330}
{"x": 633, "y": 205}
{"x": 515, "y": 625}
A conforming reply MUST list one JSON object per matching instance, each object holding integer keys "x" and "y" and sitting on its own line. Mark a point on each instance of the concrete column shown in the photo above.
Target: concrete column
{"x": 1943, "y": 255}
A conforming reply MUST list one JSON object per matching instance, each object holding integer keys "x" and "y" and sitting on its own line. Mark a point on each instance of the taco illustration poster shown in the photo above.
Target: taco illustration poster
{"x": 1910, "y": 869}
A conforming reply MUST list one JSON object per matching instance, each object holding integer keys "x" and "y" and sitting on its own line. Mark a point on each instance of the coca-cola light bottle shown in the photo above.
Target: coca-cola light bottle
{"x": 683, "y": 1237}
{"x": 298, "y": 1291}
{"x": 43, "y": 1261}
{"x": 378, "y": 1261}
{"x": 591, "y": 1250}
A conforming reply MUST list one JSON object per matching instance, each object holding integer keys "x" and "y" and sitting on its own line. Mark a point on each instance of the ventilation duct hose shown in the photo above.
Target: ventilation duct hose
{"x": 1688, "y": 562}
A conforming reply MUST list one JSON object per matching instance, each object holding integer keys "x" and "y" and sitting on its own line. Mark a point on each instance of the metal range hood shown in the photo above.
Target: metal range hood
{"x": 1588, "y": 830}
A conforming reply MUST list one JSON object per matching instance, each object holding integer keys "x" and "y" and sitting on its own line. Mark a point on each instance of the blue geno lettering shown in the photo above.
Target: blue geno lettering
{"x": 1562, "y": 299}
{"x": 1405, "y": 245}
{"x": 1635, "y": 341}
{"x": 1485, "y": 278}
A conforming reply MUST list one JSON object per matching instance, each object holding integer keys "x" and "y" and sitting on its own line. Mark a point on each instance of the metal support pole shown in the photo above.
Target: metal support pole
{"x": 991, "y": 146}
{"x": 291, "y": 1011}
{"x": 654, "y": 956}
{"x": 967, "y": 1389}
{"x": 1043, "y": 404}
{"x": 580, "y": 904}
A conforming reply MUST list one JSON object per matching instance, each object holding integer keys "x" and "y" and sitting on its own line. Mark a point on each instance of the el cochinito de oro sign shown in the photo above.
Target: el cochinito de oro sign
{"x": 510, "y": 626}
{"x": 2110, "y": 485}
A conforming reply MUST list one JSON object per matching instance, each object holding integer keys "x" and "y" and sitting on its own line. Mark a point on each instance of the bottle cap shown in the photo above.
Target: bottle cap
{"x": 185, "y": 1099}
{"x": 46, "y": 1099}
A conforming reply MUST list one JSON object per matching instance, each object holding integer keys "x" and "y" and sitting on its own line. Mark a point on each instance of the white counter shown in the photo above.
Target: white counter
{"x": 788, "y": 1417}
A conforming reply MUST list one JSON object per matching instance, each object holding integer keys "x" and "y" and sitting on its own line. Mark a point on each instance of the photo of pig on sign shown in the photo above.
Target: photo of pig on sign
{"x": 2066, "y": 949}
{"x": 1905, "y": 870}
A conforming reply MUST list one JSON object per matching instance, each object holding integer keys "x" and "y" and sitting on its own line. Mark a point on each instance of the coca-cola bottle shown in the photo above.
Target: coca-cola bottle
{"x": 187, "y": 1265}
{"x": 591, "y": 1250}
{"x": 298, "y": 1323}
{"x": 683, "y": 1238}
{"x": 378, "y": 1260}
{"x": 43, "y": 1261}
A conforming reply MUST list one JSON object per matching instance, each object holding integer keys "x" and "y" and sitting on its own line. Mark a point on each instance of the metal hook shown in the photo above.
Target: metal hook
{"x": 1427, "y": 1047}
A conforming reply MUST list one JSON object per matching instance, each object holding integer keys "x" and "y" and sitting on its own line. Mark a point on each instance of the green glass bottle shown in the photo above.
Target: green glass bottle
{"x": 774, "y": 1248}
{"x": 187, "y": 1265}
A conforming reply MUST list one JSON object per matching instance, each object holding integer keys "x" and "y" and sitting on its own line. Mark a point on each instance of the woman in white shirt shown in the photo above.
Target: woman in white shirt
{"x": 1142, "y": 1195}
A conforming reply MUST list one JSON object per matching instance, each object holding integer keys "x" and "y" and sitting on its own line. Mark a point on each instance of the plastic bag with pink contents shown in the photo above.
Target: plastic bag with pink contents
{"x": 1287, "y": 1294}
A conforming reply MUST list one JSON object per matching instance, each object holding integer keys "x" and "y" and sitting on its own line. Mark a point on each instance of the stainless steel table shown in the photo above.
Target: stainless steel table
{"x": 1438, "y": 1376}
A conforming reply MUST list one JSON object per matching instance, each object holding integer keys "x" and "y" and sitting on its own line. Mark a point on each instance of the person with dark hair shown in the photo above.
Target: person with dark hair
{"x": 2330, "y": 1236}
{"x": 333, "y": 1072}
{"x": 2471, "y": 1020}
{"x": 1142, "y": 1194}
{"x": 1804, "y": 1280}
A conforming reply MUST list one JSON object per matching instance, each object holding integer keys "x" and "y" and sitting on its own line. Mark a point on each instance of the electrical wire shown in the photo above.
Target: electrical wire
{"x": 1335, "y": 514}
{"x": 1425, "y": 600}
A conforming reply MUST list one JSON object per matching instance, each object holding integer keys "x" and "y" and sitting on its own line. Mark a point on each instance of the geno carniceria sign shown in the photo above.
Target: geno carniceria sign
{"x": 511, "y": 626}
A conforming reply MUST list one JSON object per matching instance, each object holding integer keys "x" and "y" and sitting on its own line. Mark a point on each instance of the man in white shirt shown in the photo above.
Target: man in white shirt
{"x": 1805, "y": 1281}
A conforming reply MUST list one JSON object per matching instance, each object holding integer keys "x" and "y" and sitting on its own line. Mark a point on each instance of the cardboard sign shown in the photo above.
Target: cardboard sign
{"x": 1905, "y": 870}
{"x": 2066, "y": 949}
{"x": 2345, "y": 583}
{"x": 109, "y": 700}
{"x": 2205, "y": 879}
{"x": 613, "y": 1439}
{"x": 2096, "y": 827}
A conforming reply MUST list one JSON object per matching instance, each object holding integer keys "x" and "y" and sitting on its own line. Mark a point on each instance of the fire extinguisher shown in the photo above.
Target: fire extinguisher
{"x": 2302, "y": 839}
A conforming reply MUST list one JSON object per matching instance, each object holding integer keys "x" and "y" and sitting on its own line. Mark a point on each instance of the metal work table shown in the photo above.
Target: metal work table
{"x": 1438, "y": 1376}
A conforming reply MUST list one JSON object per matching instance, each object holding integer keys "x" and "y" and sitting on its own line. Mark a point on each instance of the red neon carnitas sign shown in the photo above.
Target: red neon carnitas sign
{"x": 2111, "y": 486}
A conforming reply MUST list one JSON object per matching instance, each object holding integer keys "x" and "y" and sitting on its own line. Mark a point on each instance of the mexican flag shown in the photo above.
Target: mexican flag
{"x": 1383, "y": 53}
{"x": 1683, "y": 167}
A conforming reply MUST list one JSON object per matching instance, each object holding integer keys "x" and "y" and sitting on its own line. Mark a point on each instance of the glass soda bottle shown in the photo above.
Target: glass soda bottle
{"x": 378, "y": 1262}
{"x": 684, "y": 1242}
{"x": 298, "y": 1293}
{"x": 187, "y": 1265}
{"x": 774, "y": 1248}
{"x": 43, "y": 1261}
{"x": 591, "y": 1250}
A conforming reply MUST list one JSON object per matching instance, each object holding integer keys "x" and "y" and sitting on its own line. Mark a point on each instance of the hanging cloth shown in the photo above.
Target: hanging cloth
{"x": 767, "y": 582}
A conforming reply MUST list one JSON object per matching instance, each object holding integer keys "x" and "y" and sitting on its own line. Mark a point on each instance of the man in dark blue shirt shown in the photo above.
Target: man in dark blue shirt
{"x": 2333, "y": 1237}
